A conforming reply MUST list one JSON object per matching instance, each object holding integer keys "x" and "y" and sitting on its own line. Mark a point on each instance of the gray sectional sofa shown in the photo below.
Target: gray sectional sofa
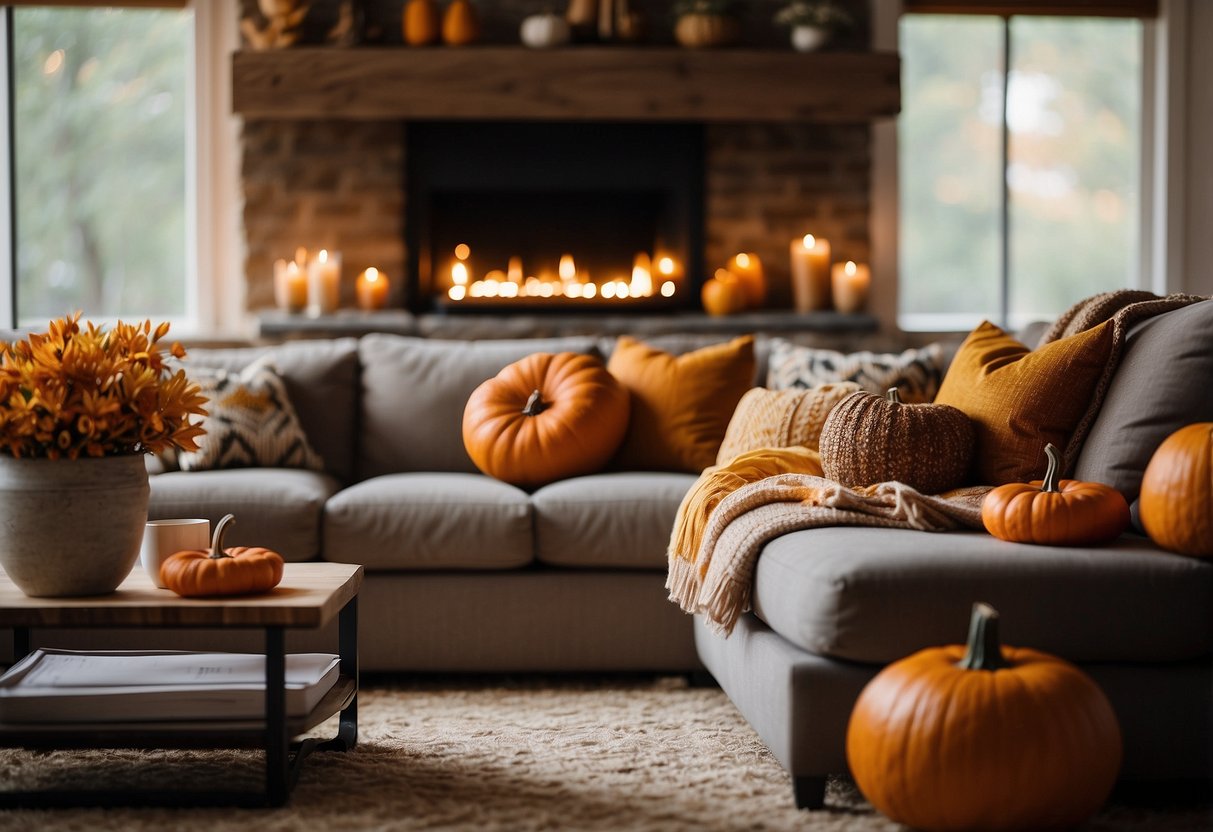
{"x": 465, "y": 573}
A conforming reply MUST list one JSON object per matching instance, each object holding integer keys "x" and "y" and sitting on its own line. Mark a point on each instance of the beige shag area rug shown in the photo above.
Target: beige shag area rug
{"x": 500, "y": 754}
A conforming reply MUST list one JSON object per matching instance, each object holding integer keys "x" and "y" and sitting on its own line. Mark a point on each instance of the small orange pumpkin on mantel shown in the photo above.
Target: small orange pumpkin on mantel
{"x": 240, "y": 570}
{"x": 1053, "y": 512}
{"x": 980, "y": 737}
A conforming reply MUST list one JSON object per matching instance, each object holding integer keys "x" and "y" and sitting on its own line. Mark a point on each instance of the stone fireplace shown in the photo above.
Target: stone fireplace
{"x": 768, "y": 145}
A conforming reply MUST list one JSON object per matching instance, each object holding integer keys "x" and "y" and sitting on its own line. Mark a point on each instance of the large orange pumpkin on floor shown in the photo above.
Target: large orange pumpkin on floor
{"x": 1176, "y": 503}
{"x": 868, "y": 439}
{"x": 1053, "y": 512}
{"x": 240, "y": 570}
{"x": 977, "y": 737}
{"x": 545, "y": 418}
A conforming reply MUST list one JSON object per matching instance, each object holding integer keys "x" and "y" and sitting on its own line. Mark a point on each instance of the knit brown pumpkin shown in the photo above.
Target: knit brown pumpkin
{"x": 868, "y": 439}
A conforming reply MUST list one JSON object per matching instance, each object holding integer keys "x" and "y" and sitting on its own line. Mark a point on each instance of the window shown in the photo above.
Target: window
{"x": 1020, "y": 190}
{"x": 101, "y": 110}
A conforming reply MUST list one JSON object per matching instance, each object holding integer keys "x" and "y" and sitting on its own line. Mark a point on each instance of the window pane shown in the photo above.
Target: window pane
{"x": 949, "y": 140}
{"x": 1074, "y": 167}
{"x": 100, "y": 119}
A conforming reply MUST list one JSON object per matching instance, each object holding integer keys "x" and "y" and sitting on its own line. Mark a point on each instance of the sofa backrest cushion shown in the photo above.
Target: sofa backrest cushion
{"x": 414, "y": 391}
{"x": 684, "y": 342}
{"x": 1164, "y": 381}
{"x": 321, "y": 380}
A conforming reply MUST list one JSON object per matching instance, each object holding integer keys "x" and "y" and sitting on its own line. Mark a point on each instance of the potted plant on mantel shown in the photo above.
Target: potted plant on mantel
{"x": 79, "y": 407}
{"x": 813, "y": 22}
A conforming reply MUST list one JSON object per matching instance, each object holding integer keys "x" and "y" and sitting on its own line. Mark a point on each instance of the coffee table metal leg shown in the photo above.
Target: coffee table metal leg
{"x": 276, "y": 739}
{"x": 347, "y": 641}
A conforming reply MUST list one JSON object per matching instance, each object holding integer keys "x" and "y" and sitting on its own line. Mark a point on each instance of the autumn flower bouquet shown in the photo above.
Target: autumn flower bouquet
{"x": 81, "y": 391}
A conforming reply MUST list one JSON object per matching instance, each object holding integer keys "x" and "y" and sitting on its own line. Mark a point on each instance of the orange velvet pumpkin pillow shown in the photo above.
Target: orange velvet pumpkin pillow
{"x": 681, "y": 405}
{"x": 1020, "y": 400}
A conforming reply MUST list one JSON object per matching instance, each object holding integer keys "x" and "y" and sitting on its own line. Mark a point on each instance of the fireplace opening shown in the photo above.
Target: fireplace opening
{"x": 565, "y": 217}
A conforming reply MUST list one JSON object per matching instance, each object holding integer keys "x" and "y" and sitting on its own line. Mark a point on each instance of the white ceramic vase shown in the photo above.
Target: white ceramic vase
{"x": 71, "y": 527}
{"x": 809, "y": 38}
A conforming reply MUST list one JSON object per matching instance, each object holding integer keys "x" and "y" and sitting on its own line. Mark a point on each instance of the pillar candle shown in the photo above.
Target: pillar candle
{"x": 748, "y": 270}
{"x": 370, "y": 290}
{"x": 850, "y": 285}
{"x": 324, "y": 283}
{"x": 811, "y": 274}
{"x": 290, "y": 286}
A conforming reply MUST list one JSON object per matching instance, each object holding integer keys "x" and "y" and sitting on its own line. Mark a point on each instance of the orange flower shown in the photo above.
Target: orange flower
{"x": 74, "y": 391}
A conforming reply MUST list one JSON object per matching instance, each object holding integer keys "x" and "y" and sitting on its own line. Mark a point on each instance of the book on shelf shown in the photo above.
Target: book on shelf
{"x": 129, "y": 686}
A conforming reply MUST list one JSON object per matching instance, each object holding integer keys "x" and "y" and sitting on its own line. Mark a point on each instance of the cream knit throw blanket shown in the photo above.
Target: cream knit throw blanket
{"x": 716, "y": 580}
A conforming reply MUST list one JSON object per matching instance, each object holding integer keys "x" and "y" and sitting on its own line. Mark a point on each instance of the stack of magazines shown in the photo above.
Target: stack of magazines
{"x": 123, "y": 686}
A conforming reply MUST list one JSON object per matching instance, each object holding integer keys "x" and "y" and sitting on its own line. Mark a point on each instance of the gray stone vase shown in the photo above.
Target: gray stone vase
{"x": 71, "y": 527}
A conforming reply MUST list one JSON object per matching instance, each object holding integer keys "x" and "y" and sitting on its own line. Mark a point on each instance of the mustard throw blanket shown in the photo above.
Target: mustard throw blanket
{"x": 712, "y": 565}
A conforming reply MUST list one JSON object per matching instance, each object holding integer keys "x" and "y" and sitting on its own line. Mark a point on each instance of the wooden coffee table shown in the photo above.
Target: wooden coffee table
{"x": 310, "y": 596}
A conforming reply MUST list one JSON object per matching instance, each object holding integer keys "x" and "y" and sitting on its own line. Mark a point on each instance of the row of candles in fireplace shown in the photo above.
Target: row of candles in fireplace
{"x": 650, "y": 276}
{"x": 314, "y": 283}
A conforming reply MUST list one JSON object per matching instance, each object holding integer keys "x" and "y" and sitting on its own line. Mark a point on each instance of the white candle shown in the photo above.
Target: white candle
{"x": 811, "y": 273}
{"x": 851, "y": 281}
{"x": 324, "y": 283}
{"x": 290, "y": 286}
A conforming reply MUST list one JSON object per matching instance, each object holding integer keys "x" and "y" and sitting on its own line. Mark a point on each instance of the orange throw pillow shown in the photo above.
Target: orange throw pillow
{"x": 1019, "y": 400}
{"x": 681, "y": 405}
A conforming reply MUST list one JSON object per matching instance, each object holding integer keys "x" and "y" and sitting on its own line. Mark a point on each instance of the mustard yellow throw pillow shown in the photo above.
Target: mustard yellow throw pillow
{"x": 1019, "y": 400}
{"x": 781, "y": 418}
{"x": 681, "y": 405}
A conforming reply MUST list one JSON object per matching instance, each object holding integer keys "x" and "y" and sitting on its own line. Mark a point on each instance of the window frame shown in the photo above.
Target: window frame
{"x": 214, "y": 250}
{"x": 1163, "y": 187}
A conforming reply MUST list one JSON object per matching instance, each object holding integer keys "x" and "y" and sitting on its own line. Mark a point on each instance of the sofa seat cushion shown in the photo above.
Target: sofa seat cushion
{"x": 615, "y": 520}
{"x": 429, "y": 521}
{"x": 278, "y": 508}
{"x": 876, "y": 595}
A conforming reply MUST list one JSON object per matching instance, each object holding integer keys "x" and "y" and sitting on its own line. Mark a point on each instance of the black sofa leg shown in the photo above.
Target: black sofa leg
{"x": 701, "y": 679}
{"x": 810, "y": 792}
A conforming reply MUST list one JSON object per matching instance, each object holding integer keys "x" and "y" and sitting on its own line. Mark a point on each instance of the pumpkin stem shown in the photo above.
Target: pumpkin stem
{"x": 534, "y": 405}
{"x": 894, "y": 395}
{"x": 983, "y": 651}
{"x": 217, "y": 539}
{"x": 1050, "y": 482}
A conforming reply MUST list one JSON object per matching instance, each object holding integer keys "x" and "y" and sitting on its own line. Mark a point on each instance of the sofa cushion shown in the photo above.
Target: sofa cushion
{"x": 250, "y": 423}
{"x": 1019, "y": 400}
{"x": 617, "y": 520}
{"x": 680, "y": 405}
{"x": 321, "y": 380}
{"x": 278, "y": 508}
{"x": 876, "y": 595}
{"x": 414, "y": 392}
{"x": 916, "y": 373}
{"x": 429, "y": 521}
{"x": 1161, "y": 385}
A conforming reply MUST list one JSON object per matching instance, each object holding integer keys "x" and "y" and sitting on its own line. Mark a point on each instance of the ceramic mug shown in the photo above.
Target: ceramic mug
{"x": 162, "y": 538}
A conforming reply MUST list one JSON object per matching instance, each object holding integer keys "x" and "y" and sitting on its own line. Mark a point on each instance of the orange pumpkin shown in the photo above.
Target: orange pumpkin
{"x": 460, "y": 25}
{"x": 422, "y": 22}
{"x": 1176, "y": 503}
{"x": 240, "y": 570}
{"x": 723, "y": 294}
{"x": 545, "y": 418}
{"x": 699, "y": 30}
{"x": 1052, "y": 512}
{"x": 868, "y": 439}
{"x": 977, "y": 737}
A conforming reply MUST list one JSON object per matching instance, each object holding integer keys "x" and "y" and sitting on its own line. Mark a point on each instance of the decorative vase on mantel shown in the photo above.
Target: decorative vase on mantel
{"x": 71, "y": 527}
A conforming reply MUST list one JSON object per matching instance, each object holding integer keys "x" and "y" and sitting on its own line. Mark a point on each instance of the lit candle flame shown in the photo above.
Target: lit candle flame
{"x": 809, "y": 241}
{"x": 457, "y": 292}
{"x": 743, "y": 260}
{"x": 568, "y": 269}
{"x": 459, "y": 274}
{"x": 666, "y": 266}
{"x": 324, "y": 255}
{"x": 372, "y": 274}
{"x": 667, "y": 289}
{"x": 590, "y": 290}
{"x": 463, "y": 251}
{"x": 849, "y": 268}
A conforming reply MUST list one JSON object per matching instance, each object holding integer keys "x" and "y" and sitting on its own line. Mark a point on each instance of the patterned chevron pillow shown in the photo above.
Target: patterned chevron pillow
{"x": 916, "y": 373}
{"x": 251, "y": 423}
